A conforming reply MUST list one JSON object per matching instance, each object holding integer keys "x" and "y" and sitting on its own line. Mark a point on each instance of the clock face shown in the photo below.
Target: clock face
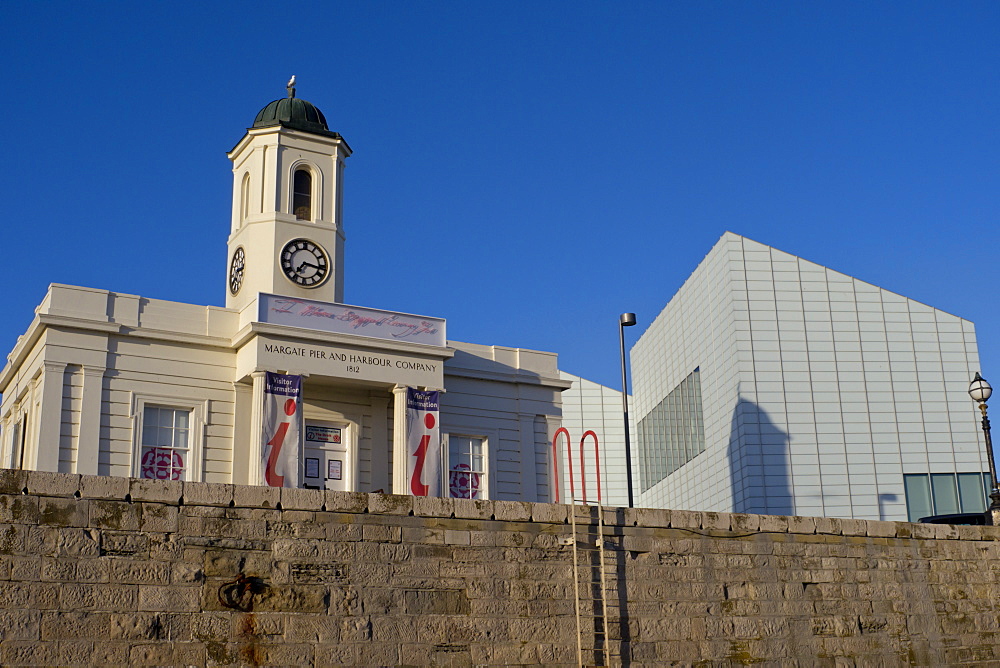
{"x": 236, "y": 270}
{"x": 304, "y": 263}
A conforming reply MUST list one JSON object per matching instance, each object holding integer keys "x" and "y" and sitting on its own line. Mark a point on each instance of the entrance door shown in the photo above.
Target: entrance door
{"x": 327, "y": 456}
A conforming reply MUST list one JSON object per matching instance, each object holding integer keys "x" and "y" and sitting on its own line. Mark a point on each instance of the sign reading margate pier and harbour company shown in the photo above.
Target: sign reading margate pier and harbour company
{"x": 367, "y": 361}
{"x": 357, "y": 320}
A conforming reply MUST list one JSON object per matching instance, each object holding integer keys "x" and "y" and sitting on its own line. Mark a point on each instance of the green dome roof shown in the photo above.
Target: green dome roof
{"x": 295, "y": 114}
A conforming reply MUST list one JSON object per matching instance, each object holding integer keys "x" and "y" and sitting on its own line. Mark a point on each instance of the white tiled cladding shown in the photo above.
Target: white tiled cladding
{"x": 589, "y": 406}
{"x": 819, "y": 390}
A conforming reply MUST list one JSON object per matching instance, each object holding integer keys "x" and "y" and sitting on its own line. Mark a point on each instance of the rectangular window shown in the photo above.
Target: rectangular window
{"x": 165, "y": 449}
{"x": 672, "y": 433}
{"x": 944, "y": 494}
{"x": 168, "y": 437}
{"x": 466, "y": 467}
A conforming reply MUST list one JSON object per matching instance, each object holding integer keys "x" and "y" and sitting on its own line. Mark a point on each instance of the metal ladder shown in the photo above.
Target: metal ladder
{"x": 593, "y": 642}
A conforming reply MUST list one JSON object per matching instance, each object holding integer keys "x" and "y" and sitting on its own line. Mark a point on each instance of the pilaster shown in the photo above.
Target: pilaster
{"x": 50, "y": 399}
{"x": 255, "y": 475}
{"x": 88, "y": 445}
{"x": 398, "y": 440}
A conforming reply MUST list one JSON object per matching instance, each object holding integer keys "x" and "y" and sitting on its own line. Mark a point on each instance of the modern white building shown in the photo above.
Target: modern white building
{"x": 115, "y": 384}
{"x": 770, "y": 384}
{"x": 589, "y": 406}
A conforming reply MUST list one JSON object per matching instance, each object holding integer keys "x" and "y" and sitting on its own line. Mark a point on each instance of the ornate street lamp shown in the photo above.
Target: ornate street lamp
{"x": 626, "y": 320}
{"x": 980, "y": 391}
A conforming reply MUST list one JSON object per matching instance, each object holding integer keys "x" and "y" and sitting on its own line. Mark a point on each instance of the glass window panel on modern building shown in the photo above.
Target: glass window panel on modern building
{"x": 945, "y": 494}
{"x": 673, "y": 433}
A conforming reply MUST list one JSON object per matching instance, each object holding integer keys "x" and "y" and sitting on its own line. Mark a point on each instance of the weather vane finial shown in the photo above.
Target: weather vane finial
{"x": 290, "y": 86}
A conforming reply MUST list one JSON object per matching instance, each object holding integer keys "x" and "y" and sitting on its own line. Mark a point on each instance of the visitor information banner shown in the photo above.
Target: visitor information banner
{"x": 282, "y": 433}
{"x": 423, "y": 443}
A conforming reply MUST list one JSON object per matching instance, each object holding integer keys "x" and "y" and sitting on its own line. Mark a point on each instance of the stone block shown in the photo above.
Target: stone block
{"x": 114, "y": 515}
{"x": 155, "y": 598}
{"x": 347, "y": 502}
{"x": 104, "y": 487}
{"x": 686, "y": 519}
{"x": 743, "y": 522}
{"x": 945, "y": 531}
{"x": 381, "y": 533}
{"x": 512, "y": 511}
{"x": 13, "y": 481}
{"x": 797, "y": 524}
{"x": 921, "y": 531}
{"x": 44, "y": 483}
{"x": 433, "y": 506}
{"x": 653, "y": 518}
{"x": 19, "y": 509}
{"x": 473, "y": 509}
{"x": 550, "y": 513}
{"x": 256, "y": 496}
{"x": 158, "y": 517}
{"x": 829, "y": 526}
{"x": 390, "y": 504}
{"x": 293, "y": 498}
{"x": 156, "y": 491}
{"x": 720, "y": 521}
{"x": 207, "y": 494}
{"x": 73, "y": 625}
{"x": 773, "y": 523}
{"x": 852, "y": 527}
{"x": 452, "y": 537}
{"x": 72, "y": 542}
{"x": 879, "y": 529}
{"x": 20, "y": 625}
{"x": 28, "y": 653}
{"x": 130, "y": 571}
{"x": 66, "y": 512}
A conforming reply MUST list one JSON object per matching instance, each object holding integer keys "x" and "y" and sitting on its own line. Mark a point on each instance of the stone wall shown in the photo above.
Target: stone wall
{"x": 116, "y": 571}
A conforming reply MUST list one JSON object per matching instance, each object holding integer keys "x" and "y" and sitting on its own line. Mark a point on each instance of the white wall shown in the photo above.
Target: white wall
{"x": 820, "y": 390}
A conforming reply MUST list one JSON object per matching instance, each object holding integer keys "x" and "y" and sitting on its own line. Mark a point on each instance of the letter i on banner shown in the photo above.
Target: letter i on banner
{"x": 280, "y": 439}
{"x": 423, "y": 443}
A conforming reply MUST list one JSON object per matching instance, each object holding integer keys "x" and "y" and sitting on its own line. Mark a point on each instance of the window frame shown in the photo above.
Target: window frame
{"x": 927, "y": 485}
{"x": 245, "y": 197}
{"x": 313, "y": 200}
{"x": 197, "y": 409}
{"x": 486, "y": 485}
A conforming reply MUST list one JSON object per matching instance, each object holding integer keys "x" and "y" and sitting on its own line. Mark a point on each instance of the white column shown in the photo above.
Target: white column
{"x": 399, "y": 440}
{"x": 48, "y": 417}
{"x": 254, "y": 452}
{"x": 88, "y": 444}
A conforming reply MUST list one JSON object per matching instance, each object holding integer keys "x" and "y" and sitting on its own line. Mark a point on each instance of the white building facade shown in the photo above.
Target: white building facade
{"x": 114, "y": 384}
{"x": 589, "y": 406}
{"x": 770, "y": 384}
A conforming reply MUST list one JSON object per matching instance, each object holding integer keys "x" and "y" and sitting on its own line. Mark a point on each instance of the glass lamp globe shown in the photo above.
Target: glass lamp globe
{"x": 979, "y": 389}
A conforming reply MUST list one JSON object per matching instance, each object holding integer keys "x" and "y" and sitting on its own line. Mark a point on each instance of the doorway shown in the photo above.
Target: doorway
{"x": 327, "y": 461}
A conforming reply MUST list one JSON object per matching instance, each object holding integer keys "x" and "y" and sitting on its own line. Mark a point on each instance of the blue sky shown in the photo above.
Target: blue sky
{"x": 526, "y": 170}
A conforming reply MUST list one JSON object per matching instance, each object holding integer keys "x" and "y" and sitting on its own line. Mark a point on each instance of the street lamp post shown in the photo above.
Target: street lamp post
{"x": 626, "y": 320}
{"x": 980, "y": 391}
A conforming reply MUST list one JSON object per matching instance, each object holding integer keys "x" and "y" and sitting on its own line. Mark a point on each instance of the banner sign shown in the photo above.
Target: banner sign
{"x": 281, "y": 434}
{"x": 423, "y": 443}
{"x": 343, "y": 319}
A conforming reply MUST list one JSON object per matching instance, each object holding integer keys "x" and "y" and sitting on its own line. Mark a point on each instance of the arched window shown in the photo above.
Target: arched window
{"x": 302, "y": 195}
{"x": 245, "y": 197}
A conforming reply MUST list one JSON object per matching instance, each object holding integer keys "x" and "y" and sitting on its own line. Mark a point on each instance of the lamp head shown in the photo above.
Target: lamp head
{"x": 626, "y": 319}
{"x": 979, "y": 389}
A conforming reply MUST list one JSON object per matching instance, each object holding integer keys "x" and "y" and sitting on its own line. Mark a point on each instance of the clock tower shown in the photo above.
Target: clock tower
{"x": 287, "y": 237}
